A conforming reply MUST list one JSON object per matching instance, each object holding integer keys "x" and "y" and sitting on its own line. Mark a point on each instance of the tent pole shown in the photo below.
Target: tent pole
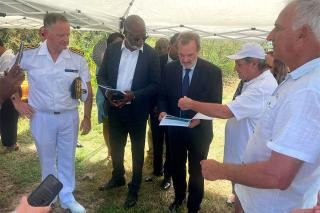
{"x": 125, "y": 16}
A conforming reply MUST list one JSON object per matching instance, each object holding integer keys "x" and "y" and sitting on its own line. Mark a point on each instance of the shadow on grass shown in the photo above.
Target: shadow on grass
{"x": 151, "y": 198}
{"x": 20, "y": 174}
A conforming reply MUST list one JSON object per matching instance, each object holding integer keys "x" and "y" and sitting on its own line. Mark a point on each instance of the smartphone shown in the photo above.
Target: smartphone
{"x": 44, "y": 194}
{"x": 117, "y": 96}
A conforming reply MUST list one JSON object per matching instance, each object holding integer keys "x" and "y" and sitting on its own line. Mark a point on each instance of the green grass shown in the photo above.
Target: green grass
{"x": 20, "y": 173}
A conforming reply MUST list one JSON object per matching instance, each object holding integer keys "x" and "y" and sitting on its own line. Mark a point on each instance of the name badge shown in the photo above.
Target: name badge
{"x": 71, "y": 70}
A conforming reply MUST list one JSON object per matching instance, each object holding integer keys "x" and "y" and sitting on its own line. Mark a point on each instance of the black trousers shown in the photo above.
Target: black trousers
{"x": 188, "y": 144}
{"x": 159, "y": 136}
{"x": 8, "y": 123}
{"x": 120, "y": 126}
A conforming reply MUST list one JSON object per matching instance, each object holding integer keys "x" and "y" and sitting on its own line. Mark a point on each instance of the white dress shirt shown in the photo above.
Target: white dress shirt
{"x": 247, "y": 109}
{"x": 290, "y": 127}
{"x": 127, "y": 67}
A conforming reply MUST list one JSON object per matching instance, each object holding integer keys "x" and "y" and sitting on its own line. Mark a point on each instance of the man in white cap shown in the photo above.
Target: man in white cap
{"x": 243, "y": 113}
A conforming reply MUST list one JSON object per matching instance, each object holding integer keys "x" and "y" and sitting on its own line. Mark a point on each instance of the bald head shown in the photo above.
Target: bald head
{"x": 135, "y": 32}
{"x": 132, "y": 22}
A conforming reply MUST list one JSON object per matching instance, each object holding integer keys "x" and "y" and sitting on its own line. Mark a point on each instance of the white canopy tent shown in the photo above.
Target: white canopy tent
{"x": 232, "y": 19}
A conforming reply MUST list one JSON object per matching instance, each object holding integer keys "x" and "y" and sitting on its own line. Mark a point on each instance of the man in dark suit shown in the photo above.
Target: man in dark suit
{"x": 159, "y": 135}
{"x": 131, "y": 66}
{"x": 195, "y": 77}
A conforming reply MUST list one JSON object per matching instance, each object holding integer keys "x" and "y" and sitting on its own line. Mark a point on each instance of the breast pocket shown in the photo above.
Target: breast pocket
{"x": 272, "y": 102}
{"x": 68, "y": 76}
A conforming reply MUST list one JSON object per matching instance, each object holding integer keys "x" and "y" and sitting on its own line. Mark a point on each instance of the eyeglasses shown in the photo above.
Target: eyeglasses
{"x": 137, "y": 37}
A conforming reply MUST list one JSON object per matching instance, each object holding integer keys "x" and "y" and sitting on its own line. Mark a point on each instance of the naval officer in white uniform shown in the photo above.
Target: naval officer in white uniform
{"x": 53, "y": 114}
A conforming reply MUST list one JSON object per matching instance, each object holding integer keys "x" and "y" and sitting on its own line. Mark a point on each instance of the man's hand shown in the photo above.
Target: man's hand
{"x": 24, "y": 109}
{"x": 24, "y": 207}
{"x": 194, "y": 123}
{"x": 184, "y": 103}
{"x": 162, "y": 115}
{"x": 85, "y": 125}
{"x": 109, "y": 96}
{"x": 211, "y": 170}
{"x": 10, "y": 83}
{"x": 128, "y": 97}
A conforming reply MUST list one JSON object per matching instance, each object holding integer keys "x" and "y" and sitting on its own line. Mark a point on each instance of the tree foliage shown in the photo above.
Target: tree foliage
{"x": 214, "y": 51}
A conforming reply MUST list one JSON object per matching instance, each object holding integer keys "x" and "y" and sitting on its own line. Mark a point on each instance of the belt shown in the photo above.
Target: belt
{"x": 57, "y": 112}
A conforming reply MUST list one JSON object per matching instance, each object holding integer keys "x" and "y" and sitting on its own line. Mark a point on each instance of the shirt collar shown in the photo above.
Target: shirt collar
{"x": 259, "y": 77}
{"x": 191, "y": 68}
{"x": 44, "y": 50}
{"x": 304, "y": 69}
{"x": 169, "y": 59}
{"x": 124, "y": 46}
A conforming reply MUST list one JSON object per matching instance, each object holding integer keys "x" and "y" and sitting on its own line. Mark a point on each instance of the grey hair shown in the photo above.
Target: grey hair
{"x": 52, "y": 18}
{"x": 262, "y": 64}
{"x": 307, "y": 12}
{"x": 188, "y": 36}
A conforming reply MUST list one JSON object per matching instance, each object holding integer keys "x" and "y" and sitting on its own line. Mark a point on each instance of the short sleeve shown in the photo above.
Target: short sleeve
{"x": 84, "y": 70}
{"x": 296, "y": 127}
{"x": 251, "y": 103}
{"x": 7, "y": 62}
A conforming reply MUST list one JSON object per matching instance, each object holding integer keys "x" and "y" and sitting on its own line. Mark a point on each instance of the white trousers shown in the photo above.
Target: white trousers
{"x": 56, "y": 137}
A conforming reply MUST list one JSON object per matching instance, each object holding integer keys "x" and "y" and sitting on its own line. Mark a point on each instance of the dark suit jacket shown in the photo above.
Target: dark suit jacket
{"x": 205, "y": 86}
{"x": 145, "y": 80}
{"x": 163, "y": 63}
{"x": 154, "y": 99}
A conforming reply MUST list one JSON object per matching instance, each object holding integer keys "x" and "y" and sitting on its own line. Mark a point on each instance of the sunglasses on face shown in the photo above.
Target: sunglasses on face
{"x": 137, "y": 37}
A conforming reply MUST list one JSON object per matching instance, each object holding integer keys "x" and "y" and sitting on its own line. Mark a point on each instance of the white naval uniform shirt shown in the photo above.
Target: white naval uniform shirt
{"x": 247, "y": 109}
{"x": 50, "y": 82}
{"x": 290, "y": 126}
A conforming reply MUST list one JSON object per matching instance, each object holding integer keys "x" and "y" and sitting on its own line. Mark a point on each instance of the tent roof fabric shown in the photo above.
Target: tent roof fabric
{"x": 231, "y": 19}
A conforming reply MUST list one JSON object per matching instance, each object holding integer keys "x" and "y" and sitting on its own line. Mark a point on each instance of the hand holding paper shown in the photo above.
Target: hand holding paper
{"x": 113, "y": 95}
{"x": 194, "y": 123}
{"x": 169, "y": 120}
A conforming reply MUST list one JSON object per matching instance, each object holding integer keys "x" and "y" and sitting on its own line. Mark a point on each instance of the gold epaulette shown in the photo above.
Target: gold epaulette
{"x": 77, "y": 51}
{"x": 30, "y": 47}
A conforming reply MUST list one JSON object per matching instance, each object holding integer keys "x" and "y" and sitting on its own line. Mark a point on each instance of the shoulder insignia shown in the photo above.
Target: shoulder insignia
{"x": 77, "y": 51}
{"x": 30, "y": 47}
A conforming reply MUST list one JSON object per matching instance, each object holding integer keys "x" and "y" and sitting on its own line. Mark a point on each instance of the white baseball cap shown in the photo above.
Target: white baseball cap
{"x": 251, "y": 50}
